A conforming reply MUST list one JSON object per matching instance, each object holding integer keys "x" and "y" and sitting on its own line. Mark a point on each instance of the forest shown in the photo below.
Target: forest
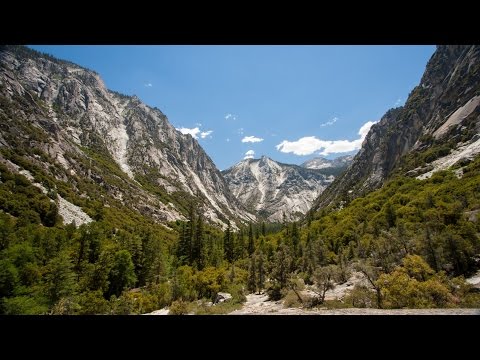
{"x": 414, "y": 241}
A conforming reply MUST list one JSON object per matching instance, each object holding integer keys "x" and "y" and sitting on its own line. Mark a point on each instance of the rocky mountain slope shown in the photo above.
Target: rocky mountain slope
{"x": 61, "y": 118}
{"x": 273, "y": 189}
{"x": 441, "y": 118}
{"x": 340, "y": 162}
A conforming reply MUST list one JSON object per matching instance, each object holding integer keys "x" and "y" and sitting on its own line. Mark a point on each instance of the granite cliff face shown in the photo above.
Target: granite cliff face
{"x": 441, "y": 119}
{"x": 341, "y": 163}
{"x": 272, "y": 189}
{"x": 66, "y": 112}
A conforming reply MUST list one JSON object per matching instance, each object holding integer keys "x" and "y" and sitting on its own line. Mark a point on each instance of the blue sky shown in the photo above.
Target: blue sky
{"x": 290, "y": 103}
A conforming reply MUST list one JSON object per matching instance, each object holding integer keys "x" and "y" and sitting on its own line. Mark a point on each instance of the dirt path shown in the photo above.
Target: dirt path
{"x": 259, "y": 305}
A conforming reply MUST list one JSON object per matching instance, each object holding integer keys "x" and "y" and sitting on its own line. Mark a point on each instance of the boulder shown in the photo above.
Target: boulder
{"x": 222, "y": 296}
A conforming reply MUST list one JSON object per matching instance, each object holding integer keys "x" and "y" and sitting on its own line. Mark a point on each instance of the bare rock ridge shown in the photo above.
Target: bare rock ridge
{"x": 272, "y": 189}
{"x": 77, "y": 117}
{"x": 339, "y": 163}
{"x": 441, "y": 114}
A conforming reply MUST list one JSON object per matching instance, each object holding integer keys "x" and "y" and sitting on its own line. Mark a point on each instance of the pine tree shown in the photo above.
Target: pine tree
{"x": 59, "y": 277}
{"x": 309, "y": 261}
{"x": 210, "y": 249}
{"x": 260, "y": 272}
{"x": 240, "y": 246}
{"x": 251, "y": 244}
{"x": 295, "y": 239}
{"x": 232, "y": 273}
{"x": 217, "y": 252}
{"x": 228, "y": 244}
{"x": 402, "y": 237}
{"x": 261, "y": 246}
{"x": 190, "y": 232}
{"x": 281, "y": 265}
{"x": 390, "y": 215}
{"x": 198, "y": 244}
{"x": 252, "y": 280}
{"x": 263, "y": 228}
{"x": 184, "y": 246}
{"x": 205, "y": 251}
{"x": 431, "y": 252}
{"x": 122, "y": 275}
{"x": 309, "y": 217}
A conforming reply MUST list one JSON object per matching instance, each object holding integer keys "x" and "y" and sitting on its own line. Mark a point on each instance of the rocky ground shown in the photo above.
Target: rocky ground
{"x": 163, "y": 311}
{"x": 475, "y": 280}
{"x": 259, "y": 305}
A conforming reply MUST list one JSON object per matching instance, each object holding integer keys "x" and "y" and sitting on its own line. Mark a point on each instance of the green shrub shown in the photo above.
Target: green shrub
{"x": 179, "y": 307}
{"x": 292, "y": 300}
{"x": 361, "y": 297}
{"x": 274, "y": 292}
{"x": 24, "y": 305}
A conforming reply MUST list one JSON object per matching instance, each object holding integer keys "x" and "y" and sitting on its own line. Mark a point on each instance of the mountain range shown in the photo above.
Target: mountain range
{"x": 88, "y": 133}
{"x": 281, "y": 192}
{"x": 106, "y": 208}
{"x": 65, "y": 118}
{"x": 133, "y": 153}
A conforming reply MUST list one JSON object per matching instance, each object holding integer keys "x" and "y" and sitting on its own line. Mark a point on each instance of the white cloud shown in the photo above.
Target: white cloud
{"x": 252, "y": 139}
{"x": 310, "y": 144}
{"x": 249, "y": 154}
{"x": 329, "y": 123}
{"x": 398, "y": 102}
{"x": 204, "y": 134}
{"x": 365, "y": 129}
{"x": 195, "y": 132}
{"x": 304, "y": 146}
{"x": 149, "y": 84}
{"x": 230, "y": 116}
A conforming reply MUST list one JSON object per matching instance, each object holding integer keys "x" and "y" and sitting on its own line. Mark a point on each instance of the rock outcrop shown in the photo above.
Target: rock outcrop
{"x": 440, "y": 115}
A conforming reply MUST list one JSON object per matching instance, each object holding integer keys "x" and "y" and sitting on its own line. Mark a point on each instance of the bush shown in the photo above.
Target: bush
{"x": 292, "y": 300}
{"x": 471, "y": 300}
{"x": 274, "y": 292}
{"x": 238, "y": 295}
{"x": 8, "y": 278}
{"x": 24, "y": 305}
{"x": 415, "y": 285}
{"x": 311, "y": 302}
{"x": 65, "y": 306}
{"x": 179, "y": 307}
{"x": 210, "y": 281}
{"x": 361, "y": 297}
{"x": 162, "y": 293}
{"x": 92, "y": 303}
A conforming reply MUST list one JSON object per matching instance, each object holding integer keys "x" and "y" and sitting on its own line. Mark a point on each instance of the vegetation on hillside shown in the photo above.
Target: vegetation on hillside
{"x": 414, "y": 241}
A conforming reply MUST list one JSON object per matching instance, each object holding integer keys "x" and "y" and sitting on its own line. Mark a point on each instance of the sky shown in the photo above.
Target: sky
{"x": 290, "y": 103}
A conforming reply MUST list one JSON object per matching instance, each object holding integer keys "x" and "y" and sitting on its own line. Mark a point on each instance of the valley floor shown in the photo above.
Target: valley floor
{"x": 259, "y": 305}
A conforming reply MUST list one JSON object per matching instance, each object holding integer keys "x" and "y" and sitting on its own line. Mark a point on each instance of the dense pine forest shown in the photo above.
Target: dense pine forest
{"x": 414, "y": 240}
